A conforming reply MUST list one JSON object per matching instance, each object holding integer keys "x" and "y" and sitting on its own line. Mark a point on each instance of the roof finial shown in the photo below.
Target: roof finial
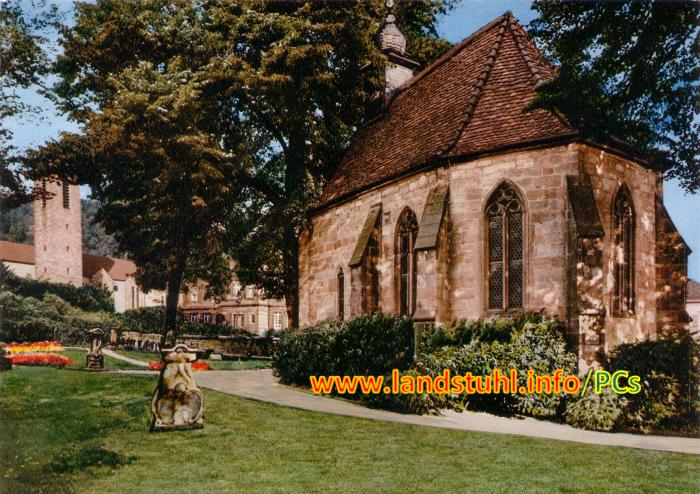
{"x": 391, "y": 39}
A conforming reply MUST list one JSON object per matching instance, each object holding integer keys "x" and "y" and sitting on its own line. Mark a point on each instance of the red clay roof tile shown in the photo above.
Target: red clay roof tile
{"x": 471, "y": 100}
{"x": 15, "y": 252}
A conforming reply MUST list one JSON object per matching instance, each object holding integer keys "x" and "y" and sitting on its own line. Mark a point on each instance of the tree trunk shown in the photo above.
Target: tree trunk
{"x": 172, "y": 293}
{"x": 291, "y": 263}
{"x": 294, "y": 184}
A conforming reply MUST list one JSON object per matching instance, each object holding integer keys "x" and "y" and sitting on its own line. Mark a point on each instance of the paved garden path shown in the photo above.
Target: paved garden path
{"x": 262, "y": 385}
{"x": 124, "y": 358}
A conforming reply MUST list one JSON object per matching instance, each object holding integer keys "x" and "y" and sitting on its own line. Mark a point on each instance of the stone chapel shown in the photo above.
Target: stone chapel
{"x": 455, "y": 202}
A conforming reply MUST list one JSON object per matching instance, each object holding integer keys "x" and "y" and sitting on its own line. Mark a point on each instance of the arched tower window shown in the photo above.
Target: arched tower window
{"x": 406, "y": 232}
{"x": 505, "y": 249}
{"x": 66, "y": 194}
{"x": 341, "y": 294}
{"x": 623, "y": 219}
{"x": 370, "y": 273}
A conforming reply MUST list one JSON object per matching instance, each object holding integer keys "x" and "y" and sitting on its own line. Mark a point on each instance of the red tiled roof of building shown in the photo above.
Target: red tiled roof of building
{"x": 15, "y": 252}
{"x": 118, "y": 269}
{"x": 470, "y": 101}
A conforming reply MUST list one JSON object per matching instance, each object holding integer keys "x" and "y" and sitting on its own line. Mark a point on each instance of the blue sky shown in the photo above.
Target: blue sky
{"x": 468, "y": 16}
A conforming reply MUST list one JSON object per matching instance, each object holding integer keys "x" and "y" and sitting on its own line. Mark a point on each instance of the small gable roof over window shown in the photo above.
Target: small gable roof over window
{"x": 583, "y": 207}
{"x": 432, "y": 218}
{"x": 363, "y": 239}
{"x": 471, "y": 100}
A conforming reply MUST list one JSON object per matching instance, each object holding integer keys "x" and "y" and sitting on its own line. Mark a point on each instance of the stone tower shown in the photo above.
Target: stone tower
{"x": 57, "y": 232}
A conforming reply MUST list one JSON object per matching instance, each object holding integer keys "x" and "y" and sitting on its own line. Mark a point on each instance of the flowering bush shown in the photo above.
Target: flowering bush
{"x": 39, "y": 359}
{"x": 197, "y": 366}
{"x": 39, "y": 346}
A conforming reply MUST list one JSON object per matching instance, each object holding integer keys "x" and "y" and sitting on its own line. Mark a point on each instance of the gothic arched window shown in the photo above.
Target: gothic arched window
{"x": 370, "y": 273}
{"x": 505, "y": 248}
{"x": 406, "y": 232}
{"x": 623, "y": 252}
{"x": 341, "y": 294}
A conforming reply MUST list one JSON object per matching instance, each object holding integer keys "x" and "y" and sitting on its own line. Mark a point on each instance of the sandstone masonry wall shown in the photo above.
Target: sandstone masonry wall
{"x": 539, "y": 176}
{"x": 608, "y": 172}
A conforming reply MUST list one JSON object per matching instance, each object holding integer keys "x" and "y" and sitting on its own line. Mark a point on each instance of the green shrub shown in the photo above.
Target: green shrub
{"x": 145, "y": 319}
{"x": 364, "y": 345}
{"x": 533, "y": 343}
{"x": 374, "y": 345}
{"x": 29, "y": 319}
{"x": 463, "y": 332}
{"x": 416, "y": 403}
{"x": 87, "y": 297}
{"x": 657, "y": 402}
{"x": 307, "y": 352}
{"x": 670, "y": 378}
{"x": 594, "y": 412}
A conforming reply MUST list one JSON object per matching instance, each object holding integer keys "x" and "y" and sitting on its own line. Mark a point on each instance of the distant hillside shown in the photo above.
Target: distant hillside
{"x": 16, "y": 226}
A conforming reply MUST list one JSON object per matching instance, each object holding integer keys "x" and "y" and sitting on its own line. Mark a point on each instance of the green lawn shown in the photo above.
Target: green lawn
{"x": 214, "y": 364}
{"x": 72, "y": 431}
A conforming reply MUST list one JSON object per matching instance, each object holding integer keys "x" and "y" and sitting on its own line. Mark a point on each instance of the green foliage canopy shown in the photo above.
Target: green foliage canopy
{"x": 630, "y": 71}
{"x": 209, "y": 124}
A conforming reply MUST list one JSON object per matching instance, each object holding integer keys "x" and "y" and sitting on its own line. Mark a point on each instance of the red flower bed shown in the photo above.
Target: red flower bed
{"x": 198, "y": 366}
{"x": 41, "y": 359}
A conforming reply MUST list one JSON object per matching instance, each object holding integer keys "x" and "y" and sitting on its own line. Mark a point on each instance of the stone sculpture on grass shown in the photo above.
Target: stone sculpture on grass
{"x": 95, "y": 359}
{"x": 177, "y": 403}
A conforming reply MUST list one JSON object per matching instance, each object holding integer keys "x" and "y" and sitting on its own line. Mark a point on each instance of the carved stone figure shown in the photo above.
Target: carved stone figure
{"x": 177, "y": 403}
{"x": 95, "y": 359}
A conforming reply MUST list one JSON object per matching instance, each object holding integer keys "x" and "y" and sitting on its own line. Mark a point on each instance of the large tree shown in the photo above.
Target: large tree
{"x": 23, "y": 64}
{"x": 631, "y": 71}
{"x": 145, "y": 155}
{"x": 272, "y": 93}
{"x": 310, "y": 73}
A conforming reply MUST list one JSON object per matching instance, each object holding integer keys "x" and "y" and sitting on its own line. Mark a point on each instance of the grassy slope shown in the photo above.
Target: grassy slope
{"x": 57, "y": 425}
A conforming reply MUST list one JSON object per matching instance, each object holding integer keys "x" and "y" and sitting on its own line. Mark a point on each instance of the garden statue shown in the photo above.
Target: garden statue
{"x": 5, "y": 362}
{"x": 177, "y": 403}
{"x": 95, "y": 359}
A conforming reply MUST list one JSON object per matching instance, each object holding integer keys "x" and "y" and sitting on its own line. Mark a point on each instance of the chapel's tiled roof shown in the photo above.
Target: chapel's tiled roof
{"x": 470, "y": 101}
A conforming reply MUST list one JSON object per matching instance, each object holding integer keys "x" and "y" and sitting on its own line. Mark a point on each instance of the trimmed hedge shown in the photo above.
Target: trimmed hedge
{"x": 365, "y": 345}
{"x": 145, "y": 319}
{"x": 89, "y": 298}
